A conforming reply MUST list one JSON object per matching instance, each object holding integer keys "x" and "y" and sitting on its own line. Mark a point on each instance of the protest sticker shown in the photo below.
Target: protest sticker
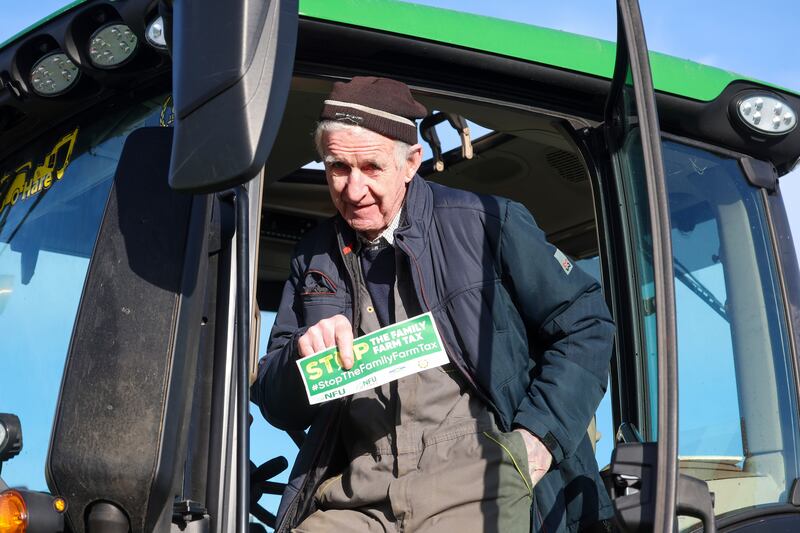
{"x": 390, "y": 353}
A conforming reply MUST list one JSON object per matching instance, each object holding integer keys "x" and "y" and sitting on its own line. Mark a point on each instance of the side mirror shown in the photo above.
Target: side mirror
{"x": 232, "y": 67}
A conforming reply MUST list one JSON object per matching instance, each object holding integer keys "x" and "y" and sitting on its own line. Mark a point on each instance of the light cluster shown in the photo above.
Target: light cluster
{"x": 109, "y": 47}
{"x": 767, "y": 114}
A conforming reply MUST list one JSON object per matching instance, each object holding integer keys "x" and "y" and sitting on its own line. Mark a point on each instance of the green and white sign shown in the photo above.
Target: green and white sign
{"x": 382, "y": 356}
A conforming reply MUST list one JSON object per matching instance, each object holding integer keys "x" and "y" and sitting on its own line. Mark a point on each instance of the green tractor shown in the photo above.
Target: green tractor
{"x": 156, "y": 170}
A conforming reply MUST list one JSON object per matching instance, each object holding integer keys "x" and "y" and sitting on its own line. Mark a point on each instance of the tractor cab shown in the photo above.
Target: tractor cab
{"x": 149, "y": 211}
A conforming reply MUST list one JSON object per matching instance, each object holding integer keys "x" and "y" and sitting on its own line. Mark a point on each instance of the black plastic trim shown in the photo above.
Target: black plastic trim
{"x": 760, "y": 173}
{"x": 339, "y": 50}
{"x": 595, "y": 155}
{"x": 196, "y": 470}
{"x": 710, "y": 122}
{"x": 331, "y": 49}
{"x": 221, "y": 439}
{"x": 633, "y": 59}
{"x": 759, "y": 516}
{"x": 788, "y": 275}
{"x": 242, "y": 359}
{"x": 617, "y": 271}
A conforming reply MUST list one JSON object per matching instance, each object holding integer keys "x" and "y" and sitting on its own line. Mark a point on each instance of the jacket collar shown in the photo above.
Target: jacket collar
{"x": 414, "y": 225}
{"x": 414, "y": 229}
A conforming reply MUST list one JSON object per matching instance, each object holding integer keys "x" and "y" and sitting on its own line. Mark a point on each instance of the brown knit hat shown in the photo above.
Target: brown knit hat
{"x": 379, "y": 104}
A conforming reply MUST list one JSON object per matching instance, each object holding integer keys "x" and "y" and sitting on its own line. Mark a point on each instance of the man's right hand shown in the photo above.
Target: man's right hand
{"x": 328, "y": 332}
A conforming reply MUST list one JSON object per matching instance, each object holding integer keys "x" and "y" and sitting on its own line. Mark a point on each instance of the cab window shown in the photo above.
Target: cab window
{"x": 737, "y": 407}
{"x": 53, "y": 194}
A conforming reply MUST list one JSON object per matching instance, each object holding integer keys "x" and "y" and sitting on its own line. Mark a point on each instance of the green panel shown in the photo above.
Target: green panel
{"x": 687, "y": 78}
{"x": 508, "y": 38}
{"x": 513, "y": 39}
{"x": 541, "y": 45}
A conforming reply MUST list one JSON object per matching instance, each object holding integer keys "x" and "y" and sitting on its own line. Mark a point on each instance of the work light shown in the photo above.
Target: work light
{"x": 53, "y": 74}
{"x": 112, "y": 45}
{"x": 155, "y": 34}
{"x": 10, "y": 436}
{"x": 766, "y": 113}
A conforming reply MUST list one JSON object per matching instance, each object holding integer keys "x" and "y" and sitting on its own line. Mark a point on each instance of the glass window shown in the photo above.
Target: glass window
{"x": 636, "y": 211}
{"x": 53, "y": 194}
{"x": 737, "y": 403}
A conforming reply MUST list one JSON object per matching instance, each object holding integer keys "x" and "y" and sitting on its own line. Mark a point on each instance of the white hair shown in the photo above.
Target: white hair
{"x": 402, "y": 150}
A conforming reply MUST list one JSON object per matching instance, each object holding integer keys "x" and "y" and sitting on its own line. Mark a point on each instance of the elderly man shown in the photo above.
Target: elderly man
{"x": 496, "y": 439}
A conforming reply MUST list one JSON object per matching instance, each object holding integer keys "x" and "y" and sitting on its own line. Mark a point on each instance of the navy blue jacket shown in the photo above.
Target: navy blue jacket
{"x": 530, "y": 333}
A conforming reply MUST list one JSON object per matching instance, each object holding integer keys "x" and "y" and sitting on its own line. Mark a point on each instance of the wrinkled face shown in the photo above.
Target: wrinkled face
{"x": 366, "y": 185}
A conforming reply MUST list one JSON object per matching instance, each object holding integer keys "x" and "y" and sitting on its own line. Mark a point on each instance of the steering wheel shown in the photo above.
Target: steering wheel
{"x": 260, "y": 483}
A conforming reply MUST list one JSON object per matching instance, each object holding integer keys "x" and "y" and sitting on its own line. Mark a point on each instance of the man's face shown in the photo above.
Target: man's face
{"x": 366, "y": 185}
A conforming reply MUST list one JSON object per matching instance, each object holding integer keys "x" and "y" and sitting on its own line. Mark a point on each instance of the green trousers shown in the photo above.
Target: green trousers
{"x": 474, "y": 482}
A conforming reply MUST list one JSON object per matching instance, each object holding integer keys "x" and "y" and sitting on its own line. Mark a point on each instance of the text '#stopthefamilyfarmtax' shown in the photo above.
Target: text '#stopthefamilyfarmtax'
{"x": 382, "y": 356}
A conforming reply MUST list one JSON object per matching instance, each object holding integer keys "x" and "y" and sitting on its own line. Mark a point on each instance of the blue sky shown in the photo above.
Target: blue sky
{"x": 755, "y": 39}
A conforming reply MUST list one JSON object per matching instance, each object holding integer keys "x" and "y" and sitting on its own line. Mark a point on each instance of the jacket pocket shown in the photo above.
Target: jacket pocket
{"x": 514, "y": 451}
{"x": 488, "y": 332}
{"x": 319, "y": 495}
{"x": 318, "y": 283}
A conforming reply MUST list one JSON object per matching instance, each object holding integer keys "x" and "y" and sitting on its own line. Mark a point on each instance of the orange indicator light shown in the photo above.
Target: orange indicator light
{"x": 13, "y": 513}
{"x": 60, "y": 504}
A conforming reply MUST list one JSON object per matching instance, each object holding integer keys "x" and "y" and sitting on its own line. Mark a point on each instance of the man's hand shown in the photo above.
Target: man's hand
{"x": 539, "y": 457}
{"x": 328, "y": 332}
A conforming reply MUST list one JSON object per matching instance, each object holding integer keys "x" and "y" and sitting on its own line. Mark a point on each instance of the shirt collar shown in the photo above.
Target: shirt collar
{"x": 387, "y": 235}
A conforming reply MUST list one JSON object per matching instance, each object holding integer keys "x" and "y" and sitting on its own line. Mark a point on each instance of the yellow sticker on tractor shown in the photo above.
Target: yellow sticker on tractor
{"x": 27, "y": 181}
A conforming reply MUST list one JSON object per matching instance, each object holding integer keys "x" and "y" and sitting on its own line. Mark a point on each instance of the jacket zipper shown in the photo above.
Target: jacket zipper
{"x": 460, "y": 365}
{"x": 354, "y": 296}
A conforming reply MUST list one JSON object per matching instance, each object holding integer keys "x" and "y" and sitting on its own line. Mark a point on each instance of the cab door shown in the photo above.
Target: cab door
{"x": 172, "y": 257}
{"x": 643, "y": 476}
{"x": 702, "y": 306}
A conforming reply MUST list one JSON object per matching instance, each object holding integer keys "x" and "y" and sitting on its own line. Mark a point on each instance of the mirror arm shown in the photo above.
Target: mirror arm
{"x": 242, "y": 360}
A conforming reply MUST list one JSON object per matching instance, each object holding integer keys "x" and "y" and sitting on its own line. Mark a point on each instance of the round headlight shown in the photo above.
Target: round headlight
{"x": 766, "y": 113}
{"x": 112, "y": 46}
{"x": 155, "y": 34}
{"x": 53, "y": 74}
